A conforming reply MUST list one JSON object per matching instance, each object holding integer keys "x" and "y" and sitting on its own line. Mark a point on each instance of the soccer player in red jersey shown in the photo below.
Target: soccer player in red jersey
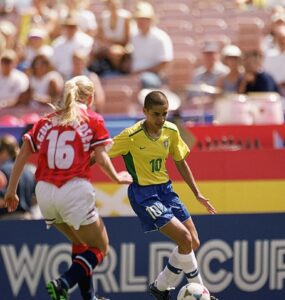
{"x": 64, "y": 141}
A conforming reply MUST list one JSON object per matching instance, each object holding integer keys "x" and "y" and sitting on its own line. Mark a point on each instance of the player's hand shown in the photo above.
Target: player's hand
{"x": 206, "y": 202}
{"x": 11, "y": 202}
{"x": 124, "y": 178}
{"x": 249, "y": 77}
{"x": 92, "y": 159}
{"x": 2, "y": 203}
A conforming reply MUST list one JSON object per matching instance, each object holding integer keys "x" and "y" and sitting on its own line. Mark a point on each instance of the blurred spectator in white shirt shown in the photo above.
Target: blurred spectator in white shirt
{"x": 152, "y": 47}
{"x": 269, "y": 42}
{"x": 65, "y": 45}
{"x": 81, "y": 9}
{"x": 274, "y": 3}
{"x": 112, "y": 39}
{"x": 40, "y": 14}
{"x": 232, "y": 58}
{"x": 46, "y": 84}
{"x": 79, "y": 67}
{"x": 275, "y": 62}
{"x": 13, "y": 83}
{"x": 9, "y": 31}
{"x": 36, "y": 44}
{"x": 8, "y": 12}
{"x": 114, "y": 25}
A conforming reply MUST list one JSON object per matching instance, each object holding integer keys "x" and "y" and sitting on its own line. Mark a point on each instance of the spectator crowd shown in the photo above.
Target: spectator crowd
{"x": 45, "y": 42}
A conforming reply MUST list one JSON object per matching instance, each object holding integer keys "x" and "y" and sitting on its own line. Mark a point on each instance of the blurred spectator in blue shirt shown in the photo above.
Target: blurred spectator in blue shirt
{"x": 255, "y": 78}
{"x": 8, "y": 151}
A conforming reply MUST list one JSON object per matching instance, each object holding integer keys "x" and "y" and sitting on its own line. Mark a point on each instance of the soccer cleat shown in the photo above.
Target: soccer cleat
{"x": 56, "y": 290}
{"x": 214, "y": 298}
{"x": 100, "y": 298}
{"x": 157, "y": 294}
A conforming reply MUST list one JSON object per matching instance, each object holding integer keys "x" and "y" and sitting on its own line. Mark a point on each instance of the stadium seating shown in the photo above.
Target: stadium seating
{"x": 119, "y": 100}
{"x": 180, "y": 71}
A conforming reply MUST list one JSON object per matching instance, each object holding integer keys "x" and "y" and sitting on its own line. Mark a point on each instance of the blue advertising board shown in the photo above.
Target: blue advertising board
{"x": 242, "y": 257}
{"x": 114, "y": 125}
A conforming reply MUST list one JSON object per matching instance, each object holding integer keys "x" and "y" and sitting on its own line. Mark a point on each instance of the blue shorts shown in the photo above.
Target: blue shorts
{"x": 156, "y": 205}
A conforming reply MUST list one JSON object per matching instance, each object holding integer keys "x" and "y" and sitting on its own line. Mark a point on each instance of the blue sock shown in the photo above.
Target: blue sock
{"x": 85, "y": 285}
{"x": 82, "y": 266}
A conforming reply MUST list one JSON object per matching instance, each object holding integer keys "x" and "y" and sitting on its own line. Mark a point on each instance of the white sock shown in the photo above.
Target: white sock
{"x": 190, "y": 268}
{"x": 169, "y": 276}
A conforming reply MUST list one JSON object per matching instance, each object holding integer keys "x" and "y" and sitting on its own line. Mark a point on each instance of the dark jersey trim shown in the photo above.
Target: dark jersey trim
{"x": 135, "y": 132}
{"x": 129, "y": 162}
{"x": 164, "y": 126}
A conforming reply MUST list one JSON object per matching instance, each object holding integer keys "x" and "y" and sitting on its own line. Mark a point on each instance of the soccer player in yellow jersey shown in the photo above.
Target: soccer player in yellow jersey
{"x": 145, "y": 147}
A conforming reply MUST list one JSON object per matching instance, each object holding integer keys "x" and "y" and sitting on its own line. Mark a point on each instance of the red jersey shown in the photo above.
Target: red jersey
{"x": 64, "y": 151}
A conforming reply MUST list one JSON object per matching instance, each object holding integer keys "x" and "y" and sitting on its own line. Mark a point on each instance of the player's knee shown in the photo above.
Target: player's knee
{"x": 102, "y": 245}
{"x": 105, "y": 249}
{"x": 195, "y": 243}
{"x": 185, "y": 246}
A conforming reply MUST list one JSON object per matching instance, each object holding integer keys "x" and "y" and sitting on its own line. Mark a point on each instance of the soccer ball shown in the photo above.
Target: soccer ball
{"x": 193, "y": 291}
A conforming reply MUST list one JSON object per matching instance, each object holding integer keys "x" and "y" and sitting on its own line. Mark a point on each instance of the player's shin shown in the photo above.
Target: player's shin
{"x": 190, "y": 268}
{"x": 169, "y": 276}
{"x": 85, "y": 285}
{"x": 82, "y": 265}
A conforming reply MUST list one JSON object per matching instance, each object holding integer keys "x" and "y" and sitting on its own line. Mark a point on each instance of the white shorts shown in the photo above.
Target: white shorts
{"x": 73, "y": 203}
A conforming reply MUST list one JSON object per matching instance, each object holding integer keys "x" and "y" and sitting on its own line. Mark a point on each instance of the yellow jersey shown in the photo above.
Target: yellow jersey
{"x": 145, "y": 157}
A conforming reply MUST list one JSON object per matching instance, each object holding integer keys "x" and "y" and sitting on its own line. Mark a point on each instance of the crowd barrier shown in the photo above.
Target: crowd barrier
{"x": 244, "y": 181}
{"x": 241, "y": 257}
{"x": 225, "y": 137}
{"x": 266, "y": 135}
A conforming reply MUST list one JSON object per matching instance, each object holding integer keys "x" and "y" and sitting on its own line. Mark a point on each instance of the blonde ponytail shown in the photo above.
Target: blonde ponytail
{"x": 76, "y": 90}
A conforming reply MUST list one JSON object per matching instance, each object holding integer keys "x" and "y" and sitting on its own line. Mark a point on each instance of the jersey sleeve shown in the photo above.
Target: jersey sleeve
{"x": 121, "y": 145}
{"x": 34, "y": 135}
{"x": 101, "y": 134}
{"x": 178, "y": 148}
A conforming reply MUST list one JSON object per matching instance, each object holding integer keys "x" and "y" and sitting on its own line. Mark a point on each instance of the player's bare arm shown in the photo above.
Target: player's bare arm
{"x": 104, "y": 161}
{"x": 11, "y": 198}
{"x": 188, "y": 177}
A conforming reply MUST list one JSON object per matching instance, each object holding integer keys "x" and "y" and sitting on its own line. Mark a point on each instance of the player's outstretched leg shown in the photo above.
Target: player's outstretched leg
{"x": 85, "y": 284}
{"x": 82, "y": 265}
{"x": 56, "y": 290}
{"x": 157, "y": 294}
